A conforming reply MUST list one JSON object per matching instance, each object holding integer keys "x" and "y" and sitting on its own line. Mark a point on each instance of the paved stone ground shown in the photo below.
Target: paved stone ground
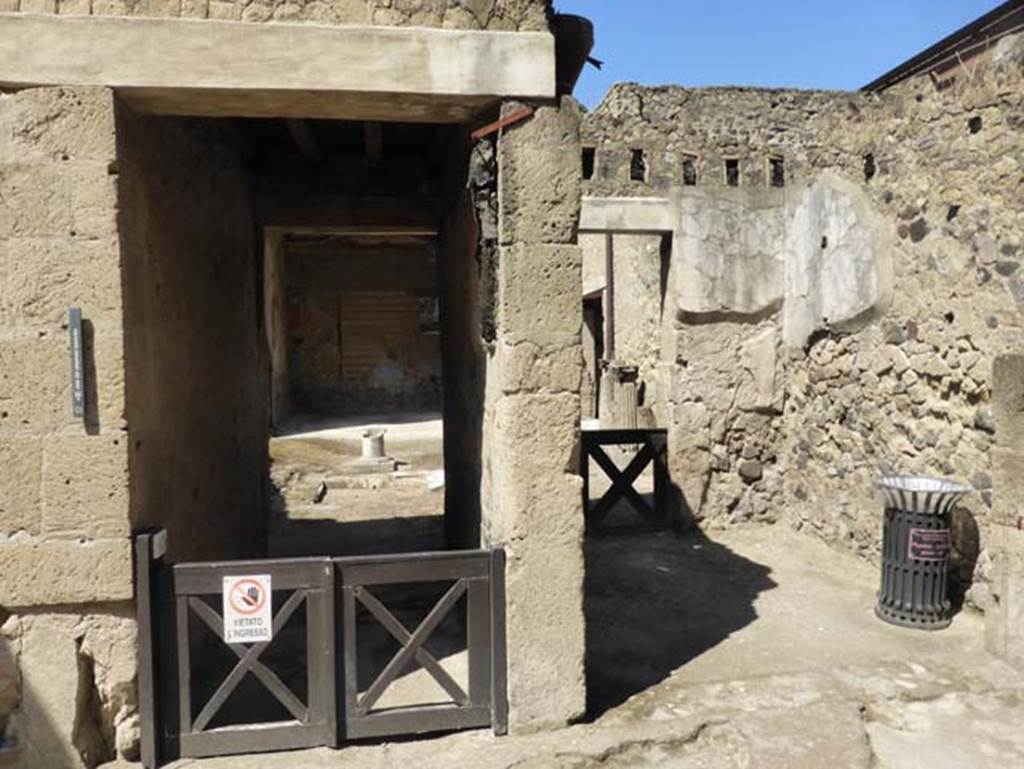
{"x": 746, "y": 648}
{"x": 360, "y": 514}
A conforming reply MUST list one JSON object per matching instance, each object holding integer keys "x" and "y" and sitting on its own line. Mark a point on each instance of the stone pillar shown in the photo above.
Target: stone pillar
{"x": 531, "y": 487}
{"x": 65, "y": 548}
{"x": 1004, "y": 616}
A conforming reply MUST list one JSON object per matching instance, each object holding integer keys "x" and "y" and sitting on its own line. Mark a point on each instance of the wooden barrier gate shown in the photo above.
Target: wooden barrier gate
{"x": 202, "y": 696}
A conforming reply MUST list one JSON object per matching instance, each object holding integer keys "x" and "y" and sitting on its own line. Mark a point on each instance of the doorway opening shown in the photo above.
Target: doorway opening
{"x": 353, "y": 293}
{"x": 593, "y": 355}
{"x": 298, "y": 295}
{"x": 357, "y": 460}
{"x": 299, "y": 291}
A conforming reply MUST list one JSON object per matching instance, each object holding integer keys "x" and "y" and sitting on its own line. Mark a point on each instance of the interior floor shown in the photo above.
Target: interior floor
{"x": 767, "y": 654}
{"x": 325, "y": 504}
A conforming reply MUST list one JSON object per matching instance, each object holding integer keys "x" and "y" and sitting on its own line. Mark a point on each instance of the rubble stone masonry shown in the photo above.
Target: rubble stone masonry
{"x": 494, "y": 15}
{"x": 815, "y": 334}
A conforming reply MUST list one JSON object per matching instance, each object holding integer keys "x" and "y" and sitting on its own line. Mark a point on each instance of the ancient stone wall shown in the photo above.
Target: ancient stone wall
{"x": 63, "y": 513}
{"x": 855, "y": 328}
{"x": 66, "y": 670}
{"x": 195, "y": 353}
{"x": 512, "y": 15}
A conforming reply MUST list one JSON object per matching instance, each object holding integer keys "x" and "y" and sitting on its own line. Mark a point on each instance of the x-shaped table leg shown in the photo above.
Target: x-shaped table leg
{"x": 622, "y": 484}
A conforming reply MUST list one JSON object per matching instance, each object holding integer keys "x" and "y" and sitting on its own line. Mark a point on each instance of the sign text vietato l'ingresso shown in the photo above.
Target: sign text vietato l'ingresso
{"x": 247, "y": 609}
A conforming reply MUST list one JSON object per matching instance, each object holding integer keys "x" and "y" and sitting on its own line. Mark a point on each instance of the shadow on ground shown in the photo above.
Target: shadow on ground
{"x": 327, "y": 538}
{"x": 655, "y": 601}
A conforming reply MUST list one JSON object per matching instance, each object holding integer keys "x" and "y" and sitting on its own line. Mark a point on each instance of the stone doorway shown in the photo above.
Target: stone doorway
{"x": 282, "y": 320}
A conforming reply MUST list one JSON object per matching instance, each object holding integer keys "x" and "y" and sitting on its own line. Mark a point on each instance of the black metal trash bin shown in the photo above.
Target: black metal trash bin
{"x": 916, "y": 545}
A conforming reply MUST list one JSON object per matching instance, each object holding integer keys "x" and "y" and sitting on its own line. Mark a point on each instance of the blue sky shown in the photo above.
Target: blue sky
{"x": 830, "y": 44}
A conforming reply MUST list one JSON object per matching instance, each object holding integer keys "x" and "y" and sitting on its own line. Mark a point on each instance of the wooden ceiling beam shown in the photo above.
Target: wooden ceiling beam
{"x": 374, "y": 134}
{"x": 303, "y": 137}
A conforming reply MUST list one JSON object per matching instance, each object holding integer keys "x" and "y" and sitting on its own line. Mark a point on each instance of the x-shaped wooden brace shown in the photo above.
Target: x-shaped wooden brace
{"x": 412, "y": 646}
{"x": 622, "y": 484}
{"x": 248, "y": 661}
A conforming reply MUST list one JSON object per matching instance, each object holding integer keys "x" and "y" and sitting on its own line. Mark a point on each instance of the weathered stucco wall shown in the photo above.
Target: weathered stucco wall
{"x": 66, "y": 669}
{"x": 195, "y": 350}
{"x": 358, "y": 338}
{"x": 859, "y": 327}
{"x": 531, "y": 485}
{"x": 523, "y": 15}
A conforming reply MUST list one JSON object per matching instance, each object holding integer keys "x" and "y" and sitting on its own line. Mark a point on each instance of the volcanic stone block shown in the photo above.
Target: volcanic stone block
{"x": 78, "y": 694}
{"x": 21, "y": 460}
{"x": 42, "y": 277}
{"x": 539, "y": 520}
{"x": 526, "y": 367}
{"x": 55, "y": 126}
{"x": 539, "y": 183}
{"x": 35, "y": 381}
{"x": 1008, "y": 401}
{"x": 1004, "y": 618}
{"x": 34, "y": 392}
{"x": 37, "y": 201}
{"x": 540, "y": 289}
{"x": 1008, "y": 486}
{"x": 37, "y": 572}
{"x": 85, "y": 486}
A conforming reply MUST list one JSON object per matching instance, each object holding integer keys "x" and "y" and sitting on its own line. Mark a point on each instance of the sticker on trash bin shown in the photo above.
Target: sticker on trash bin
{"x": 930, "y": 544}
{"x": 247, "y": 610}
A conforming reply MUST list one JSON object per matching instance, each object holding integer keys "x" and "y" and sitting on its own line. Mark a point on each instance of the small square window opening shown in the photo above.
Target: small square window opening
{"x": 690, "y": 170}
{"x": 732, "y": 172}
{"x": 638, "y": 167}
{"x": 589, "y": 160}
{"x": 777, "y": 172}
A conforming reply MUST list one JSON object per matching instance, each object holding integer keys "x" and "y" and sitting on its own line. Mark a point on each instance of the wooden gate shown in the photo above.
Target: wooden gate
{"x": 201, "y": 696}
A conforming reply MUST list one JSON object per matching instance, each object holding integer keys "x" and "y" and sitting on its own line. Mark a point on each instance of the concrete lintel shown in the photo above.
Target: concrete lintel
{"x": 203, "y": 67}
{"x": 629, "y": 215}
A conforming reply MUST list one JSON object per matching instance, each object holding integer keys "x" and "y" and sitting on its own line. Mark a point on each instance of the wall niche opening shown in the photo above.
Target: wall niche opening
{"x": 870, "y": 169}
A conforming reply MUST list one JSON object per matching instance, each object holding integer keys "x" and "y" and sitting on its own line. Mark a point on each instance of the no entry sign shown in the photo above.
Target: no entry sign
{"x": 247, "y": 611}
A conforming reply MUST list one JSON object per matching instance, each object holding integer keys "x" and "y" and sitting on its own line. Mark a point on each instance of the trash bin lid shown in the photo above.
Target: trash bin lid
{"x": 922, "y": 494}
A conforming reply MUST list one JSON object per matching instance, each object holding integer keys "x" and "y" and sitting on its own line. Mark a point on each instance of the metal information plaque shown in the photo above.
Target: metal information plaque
{"x": 77, "y": 362}
{"x": 930, "y": 544}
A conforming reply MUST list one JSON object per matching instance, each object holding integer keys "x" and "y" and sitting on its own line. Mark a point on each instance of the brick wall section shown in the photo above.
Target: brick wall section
{"x": 64, "y": 501}
{"x": 495, "y": 15}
